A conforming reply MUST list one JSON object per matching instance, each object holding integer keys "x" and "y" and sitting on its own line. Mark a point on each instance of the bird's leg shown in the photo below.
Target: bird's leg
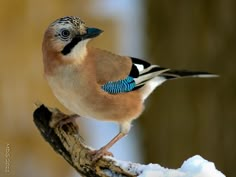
{"x": 124, "y": 129}
{"x": 104, "y": 150}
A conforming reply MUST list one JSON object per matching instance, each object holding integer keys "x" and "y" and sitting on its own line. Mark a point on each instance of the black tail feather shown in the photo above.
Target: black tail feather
{"x": 174, "y": 74}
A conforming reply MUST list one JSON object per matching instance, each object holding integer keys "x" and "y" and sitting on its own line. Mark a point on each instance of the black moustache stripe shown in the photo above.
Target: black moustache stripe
{"x": 67, "y": 49}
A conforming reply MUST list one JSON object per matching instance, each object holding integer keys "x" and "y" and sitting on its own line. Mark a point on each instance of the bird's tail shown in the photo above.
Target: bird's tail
{"x": 153, "y": 76}
{"x": 167, "y": 74}
{"x": 149, "y": 80}
{"x": 175, "y": 74}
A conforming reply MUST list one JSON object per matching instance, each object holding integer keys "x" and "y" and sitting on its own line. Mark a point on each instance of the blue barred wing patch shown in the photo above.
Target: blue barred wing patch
{"x": 120, "y": 86}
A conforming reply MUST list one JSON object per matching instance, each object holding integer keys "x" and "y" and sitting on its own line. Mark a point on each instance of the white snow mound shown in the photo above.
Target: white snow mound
{"x": 195, "y": 166}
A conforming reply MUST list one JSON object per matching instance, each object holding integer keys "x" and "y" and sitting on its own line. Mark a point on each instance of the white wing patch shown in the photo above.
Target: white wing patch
{"x": 145, "y": 76}
{"x": 150, "y": 68}
{"x": 139, "y": 67}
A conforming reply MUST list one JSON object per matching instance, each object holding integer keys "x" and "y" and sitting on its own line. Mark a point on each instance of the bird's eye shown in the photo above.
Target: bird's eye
{"x": 65, "y": 33}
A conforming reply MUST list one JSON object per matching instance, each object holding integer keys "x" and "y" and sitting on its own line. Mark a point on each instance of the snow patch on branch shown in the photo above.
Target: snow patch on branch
{"x": 195, "y": 166}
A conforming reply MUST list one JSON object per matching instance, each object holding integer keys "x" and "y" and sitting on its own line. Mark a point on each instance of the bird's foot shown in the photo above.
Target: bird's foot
{"x": 97, "y": 154}
{"x": 62, "y": 120}
{"x": 67, "y": 120}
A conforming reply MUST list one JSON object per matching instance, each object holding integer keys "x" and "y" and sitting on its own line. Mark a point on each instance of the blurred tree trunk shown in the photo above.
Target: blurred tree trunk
{"x": 192, "y": 116}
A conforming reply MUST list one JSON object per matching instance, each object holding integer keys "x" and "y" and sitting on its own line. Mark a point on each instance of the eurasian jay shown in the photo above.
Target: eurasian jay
{"x": 95, "y": 83}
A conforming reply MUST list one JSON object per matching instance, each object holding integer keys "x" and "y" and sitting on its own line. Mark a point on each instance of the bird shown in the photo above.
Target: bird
{"x": 95, "y": 83}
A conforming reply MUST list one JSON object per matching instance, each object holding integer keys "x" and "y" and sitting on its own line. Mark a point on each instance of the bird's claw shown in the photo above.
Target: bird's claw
{"x": 67, "y": 120}
{"x": 97, "y": 154}
{"x": 63, "y": 120}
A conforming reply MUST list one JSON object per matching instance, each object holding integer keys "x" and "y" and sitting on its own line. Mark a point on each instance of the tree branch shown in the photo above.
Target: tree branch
{"x": 66, "y": 141}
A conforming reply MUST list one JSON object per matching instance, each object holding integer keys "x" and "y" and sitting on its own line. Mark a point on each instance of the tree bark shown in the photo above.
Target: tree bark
{"x": 66, "y": 141}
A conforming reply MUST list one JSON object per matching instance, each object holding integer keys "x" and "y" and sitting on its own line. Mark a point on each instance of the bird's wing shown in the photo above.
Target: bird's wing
{"x": 119, "y": 74}
{"x": 130, "y": 74}
{"x": 109, "y": 67}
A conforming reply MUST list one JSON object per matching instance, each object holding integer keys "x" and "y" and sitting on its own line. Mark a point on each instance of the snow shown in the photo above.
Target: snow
{"x": 195, "y": 166}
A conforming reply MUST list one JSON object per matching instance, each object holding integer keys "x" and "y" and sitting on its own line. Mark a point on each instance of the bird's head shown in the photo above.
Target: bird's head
{"x": 68, "y": 36}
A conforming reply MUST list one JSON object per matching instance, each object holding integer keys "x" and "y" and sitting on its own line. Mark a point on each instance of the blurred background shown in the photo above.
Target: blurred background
{"x": 182, "y": 118}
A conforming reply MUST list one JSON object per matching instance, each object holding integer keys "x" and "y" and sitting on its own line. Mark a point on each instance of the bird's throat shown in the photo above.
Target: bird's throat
{"x": 78, "y": 52}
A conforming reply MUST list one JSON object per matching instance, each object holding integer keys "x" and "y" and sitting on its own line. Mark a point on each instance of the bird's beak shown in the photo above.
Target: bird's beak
{"x": 91, "y": 33}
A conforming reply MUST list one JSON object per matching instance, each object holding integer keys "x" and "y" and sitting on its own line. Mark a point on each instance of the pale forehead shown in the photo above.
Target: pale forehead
{"x": 75, "y": 21}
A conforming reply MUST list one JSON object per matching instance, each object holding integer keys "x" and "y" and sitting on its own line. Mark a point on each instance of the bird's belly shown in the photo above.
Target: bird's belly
{"x": 93, "y": 104}
{"x": 68, "y": 95}
{"x": 73, "y": 102}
